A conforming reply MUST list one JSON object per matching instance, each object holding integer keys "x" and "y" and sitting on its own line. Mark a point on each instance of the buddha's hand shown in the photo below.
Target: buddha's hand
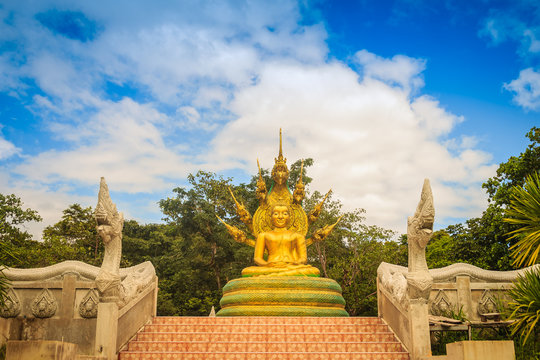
{"x": 278, "y": 264}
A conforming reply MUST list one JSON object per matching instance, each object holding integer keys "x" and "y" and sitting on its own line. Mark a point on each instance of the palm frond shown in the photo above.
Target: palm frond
{"x": 525, "y": 306}
{"x": 524, "y": 211}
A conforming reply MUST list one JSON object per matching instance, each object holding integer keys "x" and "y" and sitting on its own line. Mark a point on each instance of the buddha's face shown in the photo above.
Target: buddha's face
{"x": 280, "y": 216}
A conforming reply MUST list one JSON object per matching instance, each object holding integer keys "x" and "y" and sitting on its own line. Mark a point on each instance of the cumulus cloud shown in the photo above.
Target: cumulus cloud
{"x": 526, "y": 88}
{"x": 518, "y": 24}
{"x": 371, "y": 143}
{"x": 123, "y": 142}
{"x": 400, "y": 70}
{"x": 7, "y": 149}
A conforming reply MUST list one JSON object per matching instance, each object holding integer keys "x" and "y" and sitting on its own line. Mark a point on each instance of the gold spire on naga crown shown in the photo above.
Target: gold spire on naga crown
{"x": 280, "y": 160}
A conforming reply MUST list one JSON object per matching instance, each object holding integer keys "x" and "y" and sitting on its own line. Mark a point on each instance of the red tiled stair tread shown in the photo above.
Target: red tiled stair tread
{"x": 258, "y": 328}
{"x": 239, "y": 346}
{"x": 126, "y": 355}
{"x": 265, "y": 338}
{"x": 310, "y": 337}
{"x": 197, "y": 320}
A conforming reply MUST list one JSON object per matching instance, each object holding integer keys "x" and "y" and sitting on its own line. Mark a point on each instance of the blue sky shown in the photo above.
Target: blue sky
{"x": 381, "y": 94}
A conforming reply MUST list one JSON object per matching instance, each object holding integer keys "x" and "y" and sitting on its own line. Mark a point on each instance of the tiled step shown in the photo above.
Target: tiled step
{"x": 265, "y": 338}
{"x": 267, "y": 328}
{"x": 264, "y": 356}
{"x": 251, "y": 320}
{"x": 242, "y": 336}
{"x": 247, "y": 346}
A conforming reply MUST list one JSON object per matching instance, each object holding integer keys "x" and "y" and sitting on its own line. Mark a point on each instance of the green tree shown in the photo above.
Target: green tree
{"x": 514, "y": 171}
{"x": 75, "y": 236}
{"x": 485, "y": 241}
{"x": 210, "y": 257}
{"x": 12, "y": 217}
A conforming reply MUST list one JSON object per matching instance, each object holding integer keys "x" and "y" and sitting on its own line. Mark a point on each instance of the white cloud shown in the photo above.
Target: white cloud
{"x": 519, "y": 24}
{"x": 526, "y": 88}
{"x": 7, "y": 148}
{"x": 371, "y": 143}
{"x": 534, "y": 43}
{"x": 401, "y": 70}
{"x": 124, "y": 142}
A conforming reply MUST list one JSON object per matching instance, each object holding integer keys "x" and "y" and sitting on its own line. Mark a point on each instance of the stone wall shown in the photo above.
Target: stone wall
{"x": 456, "y": 288}
{"x": 61, "y": 303}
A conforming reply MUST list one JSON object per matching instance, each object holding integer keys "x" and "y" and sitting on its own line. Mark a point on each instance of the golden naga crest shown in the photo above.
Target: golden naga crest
{"x": 279, "y": 193}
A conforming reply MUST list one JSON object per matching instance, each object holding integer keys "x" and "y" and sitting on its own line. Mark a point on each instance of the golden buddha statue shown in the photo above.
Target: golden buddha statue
{"x": 281, "y": 283}
{"x": 287, "y": 251}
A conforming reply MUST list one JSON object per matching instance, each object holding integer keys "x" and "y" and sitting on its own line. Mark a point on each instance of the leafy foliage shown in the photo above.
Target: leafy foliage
{"x": 12, "y": 217}
{"x": 514, "y": 171}
{"x": 525, "y": 306}
{"x": 524, "y": 212}
{"x": 75, "y": 235}
{"x": 209, "y": 257}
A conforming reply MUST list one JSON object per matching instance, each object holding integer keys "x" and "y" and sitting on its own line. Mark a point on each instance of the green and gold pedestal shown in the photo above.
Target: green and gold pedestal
{"x": 282, "y": 296}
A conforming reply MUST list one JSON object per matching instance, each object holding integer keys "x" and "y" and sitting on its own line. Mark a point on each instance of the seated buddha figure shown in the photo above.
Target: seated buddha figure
{"x": 287, "y": 252}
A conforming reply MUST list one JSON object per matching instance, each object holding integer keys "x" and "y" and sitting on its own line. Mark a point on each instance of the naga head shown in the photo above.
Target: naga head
{"x": 106, "y": 214}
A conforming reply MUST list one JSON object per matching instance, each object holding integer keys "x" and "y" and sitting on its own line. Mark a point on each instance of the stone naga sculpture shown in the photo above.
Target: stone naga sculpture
{"x": 109, "y": 227}
{"x": 419, "y": 231}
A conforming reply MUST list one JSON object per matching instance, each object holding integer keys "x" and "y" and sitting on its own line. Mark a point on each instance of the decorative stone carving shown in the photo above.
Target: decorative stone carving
{"x": 109, "y": 227}
{"x": 419, "y": 231}
{"x": 44, "y": 305}
{"x": 134, "y": 279}
{"x": 441, "y": 305}
{"x": 487, "y": 303}
{"x": 89, "y": 305}
{"x": 392, "y": 278}
{"x": 12, "y": 305}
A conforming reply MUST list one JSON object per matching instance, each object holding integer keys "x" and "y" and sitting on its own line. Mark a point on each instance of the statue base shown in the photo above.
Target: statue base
{"x": 282, "y": 296}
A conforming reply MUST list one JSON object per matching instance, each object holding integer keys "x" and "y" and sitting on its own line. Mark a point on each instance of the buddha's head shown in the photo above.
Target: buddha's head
{"x": 281, "y": 215}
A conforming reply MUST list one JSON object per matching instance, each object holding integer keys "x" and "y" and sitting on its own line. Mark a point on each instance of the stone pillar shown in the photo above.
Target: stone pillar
{"x": 106, "y": 330}
{"x": 68, "y": 296}
{"x": 419, "y": 329}
{"x": 463, "y": 284}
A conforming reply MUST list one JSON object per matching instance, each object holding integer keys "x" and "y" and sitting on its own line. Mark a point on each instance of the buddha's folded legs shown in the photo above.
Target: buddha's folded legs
{"x": 289, "y": 270}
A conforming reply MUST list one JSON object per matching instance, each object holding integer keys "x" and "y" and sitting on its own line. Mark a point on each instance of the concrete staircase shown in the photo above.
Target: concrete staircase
{"x": 265, "y": 338}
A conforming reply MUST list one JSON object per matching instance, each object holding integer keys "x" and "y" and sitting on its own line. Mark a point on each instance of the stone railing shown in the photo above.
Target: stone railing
{"x": 458, "y": 287}
{"x": 408, "y": 295}
{"x": 61, "y": 302}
